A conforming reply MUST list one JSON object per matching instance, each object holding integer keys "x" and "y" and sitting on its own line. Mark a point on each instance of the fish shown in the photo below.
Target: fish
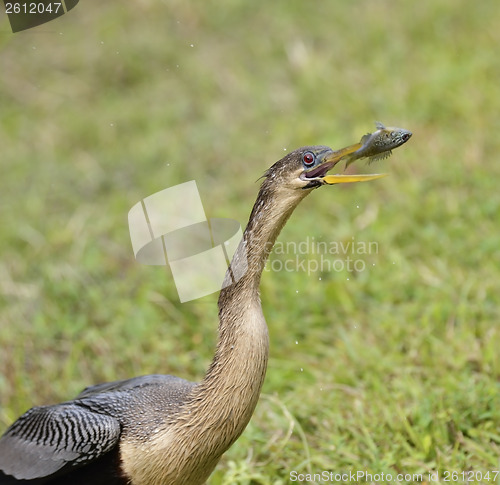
{"x": 379, "y": 144}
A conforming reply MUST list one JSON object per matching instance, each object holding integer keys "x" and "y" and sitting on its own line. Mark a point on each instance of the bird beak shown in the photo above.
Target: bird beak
{"x": 348, "y": 179}
{"x": 320, "y": 172}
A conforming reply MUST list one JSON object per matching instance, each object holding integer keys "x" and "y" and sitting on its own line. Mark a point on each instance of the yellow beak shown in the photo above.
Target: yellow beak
{"x": 348, "y": 179}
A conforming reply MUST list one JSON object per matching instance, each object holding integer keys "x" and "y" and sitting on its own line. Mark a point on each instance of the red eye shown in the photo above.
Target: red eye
{"x": 308, "y": 159}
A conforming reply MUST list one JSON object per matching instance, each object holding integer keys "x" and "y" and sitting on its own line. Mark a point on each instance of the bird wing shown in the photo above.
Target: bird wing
{"x": 47, "y": 440}
{"x": 51, "y": 440}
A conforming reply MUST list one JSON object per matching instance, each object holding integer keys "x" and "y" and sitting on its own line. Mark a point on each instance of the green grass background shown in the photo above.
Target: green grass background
{"x": 392, "y": 369}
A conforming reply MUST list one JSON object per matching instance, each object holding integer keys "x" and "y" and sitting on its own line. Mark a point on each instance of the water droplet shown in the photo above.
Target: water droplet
{"x": 357, "y": 206}
{"x": 301, "y": 370}
{"x": 296, "y": 342}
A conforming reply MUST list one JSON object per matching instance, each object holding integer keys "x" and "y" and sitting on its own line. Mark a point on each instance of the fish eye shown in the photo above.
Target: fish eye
{"x": 308, "y": 158}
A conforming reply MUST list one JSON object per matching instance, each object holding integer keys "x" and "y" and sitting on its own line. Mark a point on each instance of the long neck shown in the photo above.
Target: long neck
{"x": 227, "y": 396}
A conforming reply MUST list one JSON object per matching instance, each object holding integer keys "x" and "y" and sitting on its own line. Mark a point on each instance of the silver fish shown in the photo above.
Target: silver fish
{"x": 379, "y": 144}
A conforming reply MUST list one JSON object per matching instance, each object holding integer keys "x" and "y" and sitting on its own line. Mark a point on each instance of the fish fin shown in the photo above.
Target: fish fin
{"x": 379, "y": 156}
{"x": 379, "y": 125}
{"x": 348, "y": 160}
{"x": 365, "y": 138}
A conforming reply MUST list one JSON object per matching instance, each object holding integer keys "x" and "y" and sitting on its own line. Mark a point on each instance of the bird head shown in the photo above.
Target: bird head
{"x": 307, "y": 168}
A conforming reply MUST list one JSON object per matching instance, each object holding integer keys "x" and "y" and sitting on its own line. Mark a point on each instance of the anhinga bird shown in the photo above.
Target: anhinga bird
{"x": 160, "y": 429}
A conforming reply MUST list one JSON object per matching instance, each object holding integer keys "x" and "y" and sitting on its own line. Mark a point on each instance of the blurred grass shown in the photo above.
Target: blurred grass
{"x": 392, "y": 369}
